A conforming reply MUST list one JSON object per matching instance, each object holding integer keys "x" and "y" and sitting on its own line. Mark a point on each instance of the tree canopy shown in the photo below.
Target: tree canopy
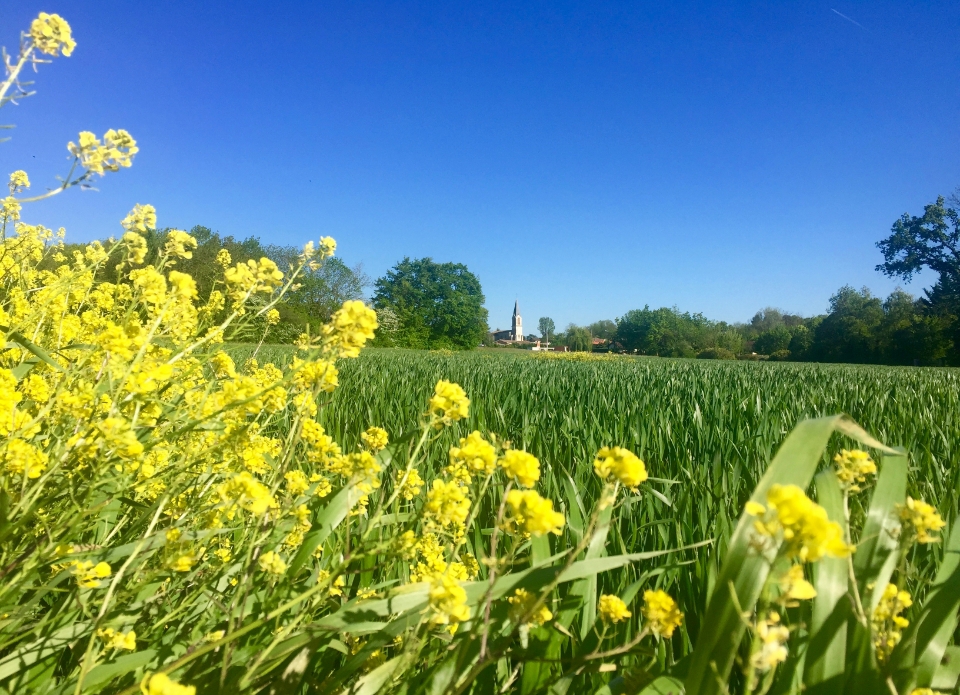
{"x": 437, "y": 305}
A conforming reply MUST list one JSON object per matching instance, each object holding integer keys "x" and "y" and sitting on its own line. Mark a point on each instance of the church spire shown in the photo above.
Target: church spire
{"x": 516, "y": 308}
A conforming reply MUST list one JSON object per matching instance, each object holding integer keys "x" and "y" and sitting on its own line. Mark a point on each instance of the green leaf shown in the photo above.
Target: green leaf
{"x": 744, "y": 569}
{"x": 37, "y": 351}
{"x": 826, "y": 653}
{"x": 876, "y": 555}
{"x": 948, "y": 672}
{"x": 328, "y": 519}
{"x": 918, "y": 656}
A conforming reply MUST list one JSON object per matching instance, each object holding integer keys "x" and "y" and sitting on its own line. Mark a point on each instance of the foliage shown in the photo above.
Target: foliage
{"x": 437, "y": 305}
{"x": 546, "y": 326}
{"x": 931, "y": 240}
{"x": 717, "y": 353}
{"x": 578, "y": 339}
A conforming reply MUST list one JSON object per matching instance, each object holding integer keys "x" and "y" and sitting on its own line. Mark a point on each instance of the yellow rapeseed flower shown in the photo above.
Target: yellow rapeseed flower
{"x": 118, "y": 640}
{"x": 447, "y": 503}
{"x": 375, "y": 438}
{"x": 410, "y": 484}
{"x": 522, "y": 466}
{"x": 661, "y": 613}
{"x": 51, "y": 35}
{"x": 612, "y": 609}
{"x": 162, "y": 684}
{"x": 179, "y": 244}
{"x": 803, "y": 525}
{"x": 271, "y": 563}
{"x": 448, "y": 602}
{"x": 522, "y": 602}
{"x": 475, "y": 453}
{"x": 621, "y": 465}
{"x": 530, "y": 513}
{"x": 853, "y": 467}
{"x": 89, "y": 575}
{"x": 448, "y": 404}
{"x": 350, "y": 327}
{"x": 140, "y": 219}
{"x": 770, "y": 645}
{"x": 887, "y": 622}
{"x": 328, "y": 246}
{"x": 794, "y": 588}
{"x": 923, "y": 519}
{"x": 19, "y": 181}
{"x": 184, "y": 563}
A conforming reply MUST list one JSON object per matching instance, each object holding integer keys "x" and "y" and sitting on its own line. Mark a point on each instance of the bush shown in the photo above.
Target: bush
{"x": 780, "y": 356}
{"x": 716, "y": 353}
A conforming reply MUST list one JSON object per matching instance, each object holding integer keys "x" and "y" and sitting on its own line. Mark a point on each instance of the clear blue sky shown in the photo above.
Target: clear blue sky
{"x": 587, "y": 158}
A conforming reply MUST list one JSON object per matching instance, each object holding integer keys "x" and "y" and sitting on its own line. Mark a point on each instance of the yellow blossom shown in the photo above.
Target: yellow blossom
{"x": 619, "y": 464}
{"x": 118, "y": 640}
{"x": 923, "y": 519}
{"x": 184, "y": 563}
{"x": 447, "y": 503}
{"x": 140, "y": 219}
{"x": 136, "y": 247}
{"x": 794, "y": 588}
{"x": 328, "y": 246}
{"x": 522, "y": 466}
{"x": 448, "y": 602}
{"x": 350, "y": 327}
{"x": 51, "y": 35}
{"x": 18, "y": 181}
{"x": 522, "y": 603}
{"x": 448, "y": 403}
{"x": 89, "y": 575}
{"x": 612, "y": 609}
{"x": 375, "y": 438}
{"x": 770, "y": 643}
{"x": 661, "y": 613}
{"x": 887, "y": 622}
{"x": 247, "y": 492}
{"x": 803, "y": 525}
{"x": 531, "y": 513}
{"x": 272, "y": 563}
{"x": 410, "y": 483}
{"x": 297, "y": 483}
{"x": 853, "y": 467}
{"x": 179, "y": 244}
{"x": 272, "y": 317}
{"x": 161, "y": 684}
{"x": 475, "y": 453}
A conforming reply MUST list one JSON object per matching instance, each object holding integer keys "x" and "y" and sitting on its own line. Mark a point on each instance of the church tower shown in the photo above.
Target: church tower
{"x": 517, "y": 322}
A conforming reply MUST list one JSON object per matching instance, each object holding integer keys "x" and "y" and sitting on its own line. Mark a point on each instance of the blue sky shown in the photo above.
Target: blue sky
{"x": 586, "y": 158}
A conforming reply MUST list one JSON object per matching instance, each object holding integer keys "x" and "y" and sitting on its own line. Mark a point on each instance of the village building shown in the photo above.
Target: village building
{"x": 515, "y": 334}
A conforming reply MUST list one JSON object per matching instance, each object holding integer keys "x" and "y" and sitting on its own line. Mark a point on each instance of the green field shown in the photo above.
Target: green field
{"x": 706, "y": 430}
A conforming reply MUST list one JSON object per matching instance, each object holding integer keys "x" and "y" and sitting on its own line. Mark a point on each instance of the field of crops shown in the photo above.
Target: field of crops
{"x": 706, "y": 430}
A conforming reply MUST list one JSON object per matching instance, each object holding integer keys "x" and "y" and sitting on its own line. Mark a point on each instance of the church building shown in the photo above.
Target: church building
{"x": 515, "y": 334}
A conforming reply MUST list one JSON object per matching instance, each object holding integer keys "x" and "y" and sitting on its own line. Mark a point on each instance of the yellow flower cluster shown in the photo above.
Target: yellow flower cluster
{"x": 530, "y": 513}
{"x": 620, "y": 465}
{"x": 522, "y": 466}
{"x": 853, "y": 467}
{"x": 612, "y": 609}
{"x": 475, "y": 454}
{"x": 794, "y": 587}
{"x": 806, "y": 531}
{"x": 140, "y": 219}
{"x": 887, "y": 622}
{"x": 51, "y": 35}
{"x": 271, "y": 563}
{"x": 448, "y": 602}
{"x": 89, "y": 575}
{"x": 661, "y": 613}
{"x": 770, "y": 643}
{"x": 448, "y": 404}
{"x": 116, "y": 151}
{"x": 118, "y": 640}
{"x": 522, "y": 603}
{"x": 447, "y": 504}
{"x": 350, "y": 327}
{"x": 409, "y": 483}
{"x": 375, "y": 438}
{"x": 19, "y": 181}
{"x": 922, "y": 519}
{"x": 162, "y": 684}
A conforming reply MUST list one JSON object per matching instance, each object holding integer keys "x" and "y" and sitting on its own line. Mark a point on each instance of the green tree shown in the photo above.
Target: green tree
{"x": 437, "y": 305}
{"x": 931, "y": 240}
{"x": 579, "y": 339}
{"x": 546, "y": 326}
{"x": 605, "y": 329}
{"x": 773, "y": 340}
{"x": 849, "y": 332}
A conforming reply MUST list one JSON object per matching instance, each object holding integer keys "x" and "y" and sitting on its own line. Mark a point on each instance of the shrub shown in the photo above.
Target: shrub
{"x": 716, "y": 353}
{"x": 780, "y": 356}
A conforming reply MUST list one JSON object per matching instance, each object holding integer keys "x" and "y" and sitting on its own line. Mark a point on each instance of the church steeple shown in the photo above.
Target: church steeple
{"x": 517, "y": 321}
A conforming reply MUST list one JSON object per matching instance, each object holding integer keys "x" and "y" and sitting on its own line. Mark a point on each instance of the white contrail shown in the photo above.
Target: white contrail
{"x": 848, "y": 19}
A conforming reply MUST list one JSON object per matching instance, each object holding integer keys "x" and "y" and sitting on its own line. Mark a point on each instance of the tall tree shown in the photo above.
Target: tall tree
{"x": 437, "y": 305}
{"x": 931, "y": 240}
{"x": 546, "y": 327}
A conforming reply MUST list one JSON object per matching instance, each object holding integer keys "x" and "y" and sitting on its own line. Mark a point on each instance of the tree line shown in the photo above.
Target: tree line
{"x": 858, "y": 327}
